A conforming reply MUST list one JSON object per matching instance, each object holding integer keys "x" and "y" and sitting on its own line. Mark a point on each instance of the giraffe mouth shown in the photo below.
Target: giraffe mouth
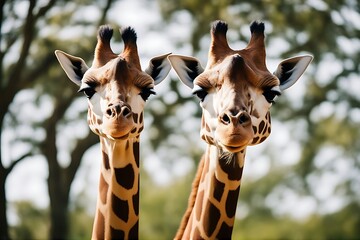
{"x": 233, "y": 149}
{"x": 123, "y": 137}
{"x": 234, "y": 143}
{"x": 119, "y": 131}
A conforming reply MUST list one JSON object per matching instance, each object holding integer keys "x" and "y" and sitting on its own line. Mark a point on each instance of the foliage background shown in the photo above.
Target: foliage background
{"x": 302, "y": 183}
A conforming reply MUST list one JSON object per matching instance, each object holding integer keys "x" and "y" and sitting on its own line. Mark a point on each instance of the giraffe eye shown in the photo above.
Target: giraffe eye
{"x": 271, "y": 94}
{"x": 199, "y": 92}
{"x": 146, "y": 92}
{"x": 89, "y": 91}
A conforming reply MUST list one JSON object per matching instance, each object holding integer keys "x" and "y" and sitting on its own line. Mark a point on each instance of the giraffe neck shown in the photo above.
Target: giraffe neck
{"x": 117, "y": 212}
{"x": 213, "y": 213}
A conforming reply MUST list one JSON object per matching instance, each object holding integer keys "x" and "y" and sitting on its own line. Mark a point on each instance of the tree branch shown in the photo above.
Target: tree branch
{"x": 14, "y": 163}
{"x": 77, "y": 154}
{"x": 106, "y": 9}
{"x": 42, "y": 11}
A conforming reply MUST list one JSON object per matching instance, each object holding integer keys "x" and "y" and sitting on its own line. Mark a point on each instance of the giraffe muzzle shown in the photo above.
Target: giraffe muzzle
{"x": 234, "y": 131}
{"x": 118, "y": 110}
{"x": 241, "y": 118}
{"x": 118, "y": 121}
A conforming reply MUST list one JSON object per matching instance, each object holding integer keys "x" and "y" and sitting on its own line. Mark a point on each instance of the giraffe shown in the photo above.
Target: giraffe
{"x": 117, "y": 90}
{"x": 236, "y": 91}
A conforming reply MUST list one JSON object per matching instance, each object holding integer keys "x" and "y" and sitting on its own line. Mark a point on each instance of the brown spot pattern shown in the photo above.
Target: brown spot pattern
{"x": 218, "y": 189}
{"x": 120, "y": 208}
{"x": 231, "y": 202}
{"x": 233, "y": 170}
{"x": 135, "y": 117}
{"x": 225, "y": 232}
{"x": 136, "y": 153}
{"x": 116, "y": 234}
{"x": 103, "y": 188}
{"x": 135, "y": 200}
{"x": 198, "y": 207}
{"x": 141, "y": 117}
{"x": 133, "y": 233}
{"x": 140, "y": 129}
{"x": 211, "y": 218}
{"x": 105, "y": 158}
{"x": 262, "y": 139}
{"x": 125, "y": 176}
{"x": 254, "y": 129}
{"x": 261, "y": 126}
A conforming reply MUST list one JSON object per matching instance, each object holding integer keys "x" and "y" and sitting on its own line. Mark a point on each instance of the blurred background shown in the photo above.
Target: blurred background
{"x": 303, "y": 182}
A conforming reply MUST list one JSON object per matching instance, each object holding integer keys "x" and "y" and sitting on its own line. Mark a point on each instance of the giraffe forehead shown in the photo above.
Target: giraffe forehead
{"x": 120, "y": 72}
{"x": 237, "y": 69}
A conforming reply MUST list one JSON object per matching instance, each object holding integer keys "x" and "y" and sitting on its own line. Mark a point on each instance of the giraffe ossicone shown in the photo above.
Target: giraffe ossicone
{"x": 236, "y": 91}
{"x": 117, "y": 90}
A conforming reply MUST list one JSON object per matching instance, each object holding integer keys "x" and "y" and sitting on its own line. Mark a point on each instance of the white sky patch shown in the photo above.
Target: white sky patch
{"x": 350, "y": 84}
{"x": 276, "y": 47}
{"x": 322, "y": 111}
{"x": 87, "y": 178}
{"x": 127, "y": 12}
{"x": 28, "y": 182}
{"x": 285, "y": 201}
{"x": 154, "y": 166}
{"x": 317, "y": 4}
{"x": 351, "y": 16}
{"x": 327, "y": 69}
{"x": 350, "y": 47}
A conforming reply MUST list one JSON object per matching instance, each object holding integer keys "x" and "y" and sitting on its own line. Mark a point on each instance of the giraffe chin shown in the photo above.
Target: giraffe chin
{"x": 118, "y": 133}
{"x": 118, "y": 129}
{"x": 232, "y": 149}
{"x": 234, "y": 143}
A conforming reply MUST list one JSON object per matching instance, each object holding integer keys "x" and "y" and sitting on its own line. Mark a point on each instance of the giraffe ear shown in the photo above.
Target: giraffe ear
{"x": 158, "y": 68}
{"x": 291, "y": 69}
{"x": 187, "y": 68}
{"x": 74, "y": 67}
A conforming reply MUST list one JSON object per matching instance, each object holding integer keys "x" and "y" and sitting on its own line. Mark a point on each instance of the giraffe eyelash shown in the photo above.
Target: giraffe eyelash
{"x": 271, "y": 94}
{"x": 200, "y": 92}
{"x": 146, "y": 92}
{"x": 88, "y": 91}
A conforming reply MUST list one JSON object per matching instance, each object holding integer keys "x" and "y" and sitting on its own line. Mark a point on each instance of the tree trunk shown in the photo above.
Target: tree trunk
{"x": 59, "y": 206}
{"x": 56, "y": 185}
{"x": 4, "y": 233}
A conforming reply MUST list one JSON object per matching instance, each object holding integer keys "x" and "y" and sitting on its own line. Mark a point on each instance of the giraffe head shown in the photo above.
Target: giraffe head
{"x": 236, "y": 90}
{"x": 115, "y": 85}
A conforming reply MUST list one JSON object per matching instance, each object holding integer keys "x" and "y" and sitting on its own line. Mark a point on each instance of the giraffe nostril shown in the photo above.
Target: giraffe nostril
{"x": 126, "y": 111}
{"x": 109, "y": 112}
{"x": 225, "y": 119}
{"x": 244, "y": 118}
